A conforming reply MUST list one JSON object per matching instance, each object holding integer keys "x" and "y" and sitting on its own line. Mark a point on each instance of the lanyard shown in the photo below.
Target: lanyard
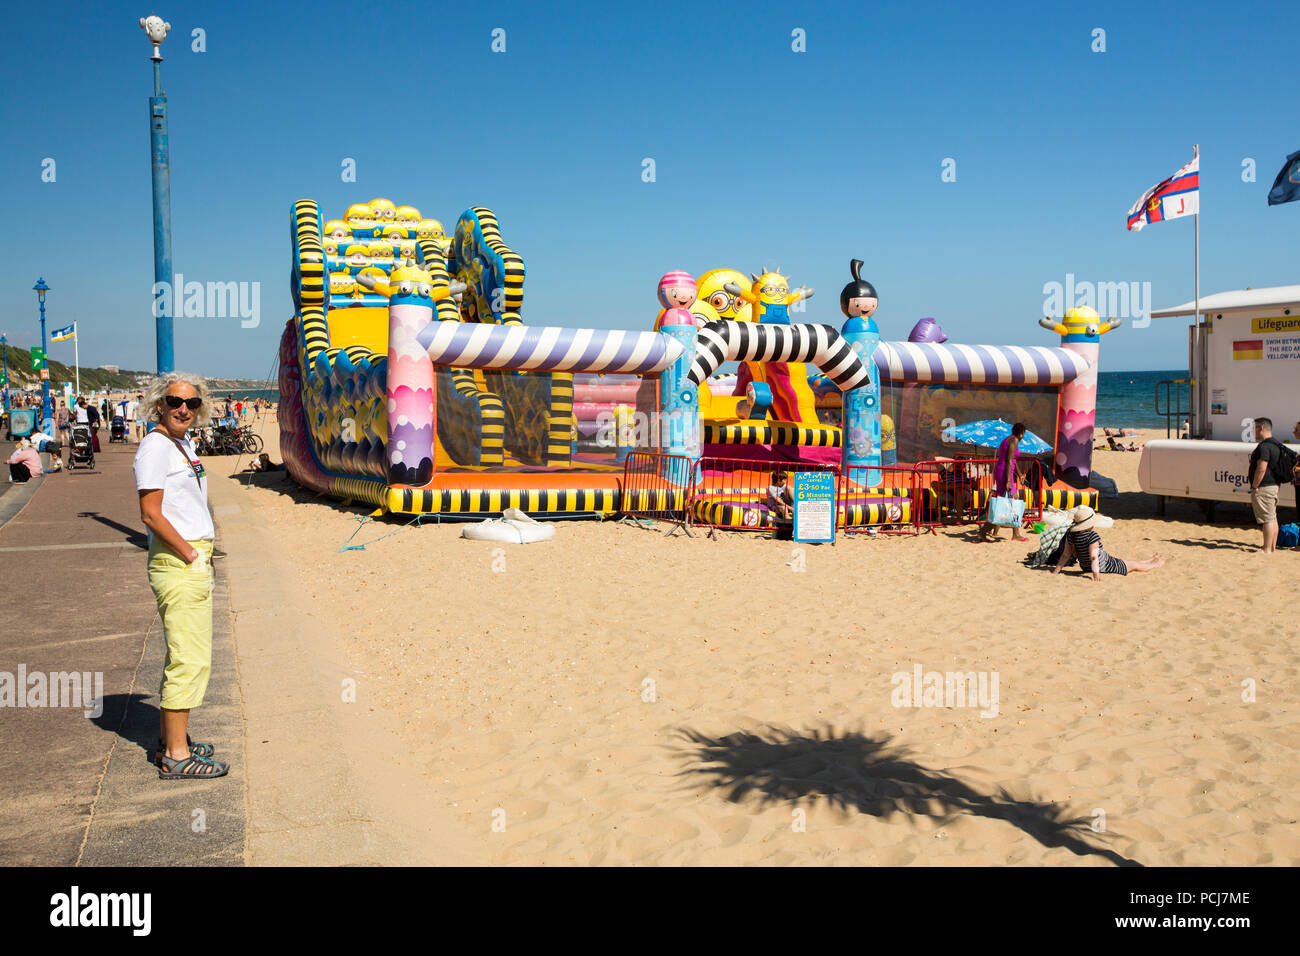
{"x": 192, "y": 465}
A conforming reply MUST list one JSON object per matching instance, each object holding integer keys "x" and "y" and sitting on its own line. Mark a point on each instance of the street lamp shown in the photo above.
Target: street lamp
{"x": 157, "y": 29}
{"x": 47, "y": 412}
{"x": 4, "y": 344}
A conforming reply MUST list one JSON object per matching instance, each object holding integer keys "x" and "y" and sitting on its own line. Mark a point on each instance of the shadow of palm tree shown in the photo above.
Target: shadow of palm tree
{"x": 854, "y": 772}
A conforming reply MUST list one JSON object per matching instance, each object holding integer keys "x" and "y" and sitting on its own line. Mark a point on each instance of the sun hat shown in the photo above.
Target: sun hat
{"x": 1085, "y": 519}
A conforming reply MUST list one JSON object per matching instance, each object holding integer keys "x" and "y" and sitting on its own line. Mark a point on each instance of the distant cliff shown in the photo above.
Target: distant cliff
{"x": 21, "y": 375}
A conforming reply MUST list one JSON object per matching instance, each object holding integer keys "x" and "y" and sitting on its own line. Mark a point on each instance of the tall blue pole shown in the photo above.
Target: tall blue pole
{"x": 47, "y": 411}
{"x": 162, "y": 217}
{"x": 4, "y": 343}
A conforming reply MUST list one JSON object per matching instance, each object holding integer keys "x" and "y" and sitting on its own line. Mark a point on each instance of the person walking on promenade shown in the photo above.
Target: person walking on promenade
{"x": 63, "y": 419}
{"x": 94, "y": 420}
{"x": 173, "y": 492}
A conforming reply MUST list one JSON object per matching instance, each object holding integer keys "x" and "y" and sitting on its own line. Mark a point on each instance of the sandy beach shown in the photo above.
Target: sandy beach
{"x": 619, "y": 697}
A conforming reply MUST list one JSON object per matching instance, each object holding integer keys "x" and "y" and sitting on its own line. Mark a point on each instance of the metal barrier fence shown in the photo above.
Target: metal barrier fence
{"x": 656, "y": 486}
{"x": 957, "y": 491}
{"x": 731, "y": 493}
{"x": 888, "y": 505}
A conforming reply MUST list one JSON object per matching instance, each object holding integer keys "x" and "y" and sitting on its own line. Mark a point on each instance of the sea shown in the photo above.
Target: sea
{"x": 1128, "y": 399}
{"x": 248, "y": 394}
{"x": 1124, "y": 399}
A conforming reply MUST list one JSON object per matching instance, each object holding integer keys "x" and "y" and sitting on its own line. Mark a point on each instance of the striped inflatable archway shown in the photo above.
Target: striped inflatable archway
{"x": 547, "y": 348}
{"x": 978, "y": 364}
{"x": 727, "y": 340}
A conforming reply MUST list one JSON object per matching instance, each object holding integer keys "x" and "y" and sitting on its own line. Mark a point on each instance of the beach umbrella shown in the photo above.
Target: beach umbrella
{"x": 990, "y": 433}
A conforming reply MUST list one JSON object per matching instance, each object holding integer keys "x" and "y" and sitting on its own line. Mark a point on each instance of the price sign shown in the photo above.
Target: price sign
{"x": 814, "y": 506}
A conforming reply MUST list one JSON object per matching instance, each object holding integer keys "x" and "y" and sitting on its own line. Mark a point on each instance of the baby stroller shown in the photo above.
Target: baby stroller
{"x": 80, "y": 450}
{"x": 117, "y": 431}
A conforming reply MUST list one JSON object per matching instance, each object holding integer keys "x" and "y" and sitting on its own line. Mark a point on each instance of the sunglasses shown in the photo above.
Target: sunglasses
{"x": 175, "y": 401}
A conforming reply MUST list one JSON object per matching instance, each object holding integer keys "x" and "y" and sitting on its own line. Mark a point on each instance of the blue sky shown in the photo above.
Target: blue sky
{"x": 763, "y": 156}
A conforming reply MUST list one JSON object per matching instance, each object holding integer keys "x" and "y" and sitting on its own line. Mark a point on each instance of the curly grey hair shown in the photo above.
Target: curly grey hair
{"x": 159, "y": 388}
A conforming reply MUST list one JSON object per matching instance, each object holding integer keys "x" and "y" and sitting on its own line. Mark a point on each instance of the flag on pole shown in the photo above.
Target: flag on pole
{"x": 1177, "y": 196}
{"x": 59, "y": 335}
{"x": 1286, "y": 188}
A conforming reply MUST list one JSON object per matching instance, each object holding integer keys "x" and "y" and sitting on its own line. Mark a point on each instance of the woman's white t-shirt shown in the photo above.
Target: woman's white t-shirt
{"x": 160, "y": 464}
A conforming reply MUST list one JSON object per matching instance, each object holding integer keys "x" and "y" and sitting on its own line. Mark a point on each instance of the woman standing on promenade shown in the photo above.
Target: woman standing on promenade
{"x": 174, "y": 507}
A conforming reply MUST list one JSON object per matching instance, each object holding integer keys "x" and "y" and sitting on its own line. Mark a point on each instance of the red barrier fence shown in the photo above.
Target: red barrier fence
{"x": 957, "y": 490}
{"x": 731, "y": 493}
{"x": 656, "y": 486}
{"x": 888, "y": 504}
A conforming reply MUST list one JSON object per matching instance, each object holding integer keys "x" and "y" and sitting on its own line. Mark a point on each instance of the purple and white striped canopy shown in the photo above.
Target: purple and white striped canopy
{"x": 547, "y": 348}
{"x": 991, "y": 364}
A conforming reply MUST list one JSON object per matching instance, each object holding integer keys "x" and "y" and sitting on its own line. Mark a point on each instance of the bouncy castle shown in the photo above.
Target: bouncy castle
{"x": 410, "y": 380}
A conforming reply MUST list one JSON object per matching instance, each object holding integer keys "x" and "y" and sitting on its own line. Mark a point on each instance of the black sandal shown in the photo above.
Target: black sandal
{"x": 202, "y": 749}
{"x": 192, "y": 766}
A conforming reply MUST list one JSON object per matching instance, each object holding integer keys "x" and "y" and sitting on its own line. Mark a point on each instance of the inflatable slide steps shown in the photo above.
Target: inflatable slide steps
{"x": 539, "y": 407}
{"x": 334, "y": 364}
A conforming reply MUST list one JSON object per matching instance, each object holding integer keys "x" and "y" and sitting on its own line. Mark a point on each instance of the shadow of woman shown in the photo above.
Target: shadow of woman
{"x": 133, "y": 717}
{"x": 855, "y": 772}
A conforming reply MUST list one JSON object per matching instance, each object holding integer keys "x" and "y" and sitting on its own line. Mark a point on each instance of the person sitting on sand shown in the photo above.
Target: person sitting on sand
{"x": 780, "y": 499}
{"x": 1083, "y": 542}
{"x": 1114, "y": 445}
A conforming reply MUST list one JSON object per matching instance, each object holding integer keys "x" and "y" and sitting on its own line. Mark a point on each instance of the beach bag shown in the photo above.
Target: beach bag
{"x": 1288, "y": 536}
{"x": 1006, "y": 512}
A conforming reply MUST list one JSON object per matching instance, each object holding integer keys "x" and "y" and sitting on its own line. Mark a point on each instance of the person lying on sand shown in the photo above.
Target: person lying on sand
{"x": 1114, "y": 445}
{"x": 1120, "y": 432}
{"x": 1083, "y": 542}
{"x": 264, "y": 463}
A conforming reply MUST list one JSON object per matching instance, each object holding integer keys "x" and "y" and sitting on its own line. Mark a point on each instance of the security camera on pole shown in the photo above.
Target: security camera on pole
{"x": 157, "y": 29}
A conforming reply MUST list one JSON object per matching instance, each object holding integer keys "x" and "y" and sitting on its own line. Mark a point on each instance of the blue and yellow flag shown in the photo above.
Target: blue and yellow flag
{"x": 59, "y": 335}
{"x": 1286, "y": 188}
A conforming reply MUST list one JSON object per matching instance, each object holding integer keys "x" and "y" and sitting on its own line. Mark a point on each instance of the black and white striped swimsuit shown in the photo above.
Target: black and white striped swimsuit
{"x": 1082, "y": 541}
